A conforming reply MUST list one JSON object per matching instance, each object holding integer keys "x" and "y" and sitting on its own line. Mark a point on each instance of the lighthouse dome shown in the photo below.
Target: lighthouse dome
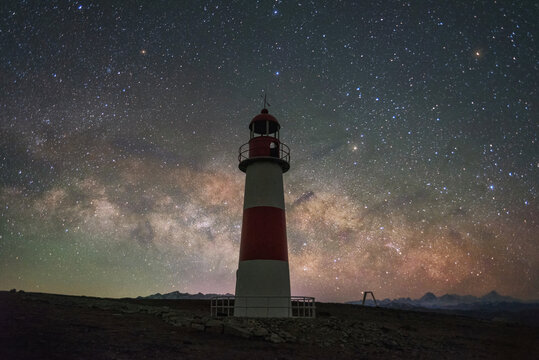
{"x": 264, "y": 123}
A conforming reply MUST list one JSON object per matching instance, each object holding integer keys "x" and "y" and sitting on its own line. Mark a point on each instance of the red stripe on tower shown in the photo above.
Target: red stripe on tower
{"x": 263, "y": 234}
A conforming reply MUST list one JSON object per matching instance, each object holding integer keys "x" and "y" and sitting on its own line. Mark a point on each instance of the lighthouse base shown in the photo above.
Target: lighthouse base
{"x": 262, "y": 289}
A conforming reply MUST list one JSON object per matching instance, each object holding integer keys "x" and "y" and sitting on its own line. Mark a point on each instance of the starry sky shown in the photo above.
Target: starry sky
{"x": 412, "y": 127}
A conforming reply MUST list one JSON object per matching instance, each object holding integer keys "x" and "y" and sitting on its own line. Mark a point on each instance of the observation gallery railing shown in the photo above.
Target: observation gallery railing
{"x": 246, "y": 152}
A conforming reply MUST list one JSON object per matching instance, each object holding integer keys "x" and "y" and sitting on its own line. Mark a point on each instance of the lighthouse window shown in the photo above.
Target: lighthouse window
{"x": 274, "y": 152}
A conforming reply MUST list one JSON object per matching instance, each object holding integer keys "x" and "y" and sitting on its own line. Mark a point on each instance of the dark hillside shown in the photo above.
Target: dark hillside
{"x": 45, "y": 326}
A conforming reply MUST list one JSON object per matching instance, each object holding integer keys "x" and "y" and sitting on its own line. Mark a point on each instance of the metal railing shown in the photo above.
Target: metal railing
{"x": 292, "y": 306}
{"x": 282, "y": 152}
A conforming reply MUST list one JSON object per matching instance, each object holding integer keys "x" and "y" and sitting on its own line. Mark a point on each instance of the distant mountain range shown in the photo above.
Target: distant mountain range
{"x": 176, "y": 295}
{"x": 491, "y": 306}
{"x": 451, "y": 302}
{"x": 427, "y": 301}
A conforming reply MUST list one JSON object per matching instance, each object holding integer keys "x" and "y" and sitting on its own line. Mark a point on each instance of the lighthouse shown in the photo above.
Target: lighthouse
{"x": 263, "y": 276}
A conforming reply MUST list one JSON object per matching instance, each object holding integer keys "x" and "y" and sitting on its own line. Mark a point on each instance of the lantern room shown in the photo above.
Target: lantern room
{"x": 264, "y": 143}
{"x": 264, "y": 124}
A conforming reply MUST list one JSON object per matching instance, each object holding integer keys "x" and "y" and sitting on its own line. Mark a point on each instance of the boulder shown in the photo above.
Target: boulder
{"x": 235, "y": 330}
{"x": 260, "y": 331}
{"x": 276, "y": 339}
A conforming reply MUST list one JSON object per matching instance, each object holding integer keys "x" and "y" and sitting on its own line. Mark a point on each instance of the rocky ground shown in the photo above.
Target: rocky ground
{"x": 46, "y": 326}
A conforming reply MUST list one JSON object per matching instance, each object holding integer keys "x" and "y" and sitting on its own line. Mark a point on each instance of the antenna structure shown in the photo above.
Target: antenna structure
{"x": 265, "y": 100}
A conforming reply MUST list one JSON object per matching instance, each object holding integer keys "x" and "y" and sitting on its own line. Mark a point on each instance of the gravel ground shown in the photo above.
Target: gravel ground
{"x": 46, "y": 326}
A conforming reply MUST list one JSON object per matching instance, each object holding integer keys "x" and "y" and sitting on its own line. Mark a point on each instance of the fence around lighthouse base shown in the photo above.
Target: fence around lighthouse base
{"x": 264, "y": 306}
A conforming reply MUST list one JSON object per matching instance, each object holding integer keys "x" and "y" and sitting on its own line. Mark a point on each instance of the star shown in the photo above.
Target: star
{"x": 412, "y": 146}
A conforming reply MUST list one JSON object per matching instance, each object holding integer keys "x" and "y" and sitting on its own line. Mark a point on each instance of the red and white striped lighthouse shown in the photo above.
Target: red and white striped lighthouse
{"x": 263, "y": 276}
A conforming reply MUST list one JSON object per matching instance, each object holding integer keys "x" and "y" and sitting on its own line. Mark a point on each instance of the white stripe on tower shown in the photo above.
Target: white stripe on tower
{"x": 264, "y": 185}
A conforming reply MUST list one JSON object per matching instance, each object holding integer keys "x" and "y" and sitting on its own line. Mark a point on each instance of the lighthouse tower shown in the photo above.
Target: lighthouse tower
{"x": 263, "y": 277}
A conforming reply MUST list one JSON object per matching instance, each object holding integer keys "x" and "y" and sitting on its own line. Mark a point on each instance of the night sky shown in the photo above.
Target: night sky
{"x": 412, "y": 128}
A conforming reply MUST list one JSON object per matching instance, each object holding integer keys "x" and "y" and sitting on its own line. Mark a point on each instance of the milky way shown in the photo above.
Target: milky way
{"x": 412, "y": 128}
